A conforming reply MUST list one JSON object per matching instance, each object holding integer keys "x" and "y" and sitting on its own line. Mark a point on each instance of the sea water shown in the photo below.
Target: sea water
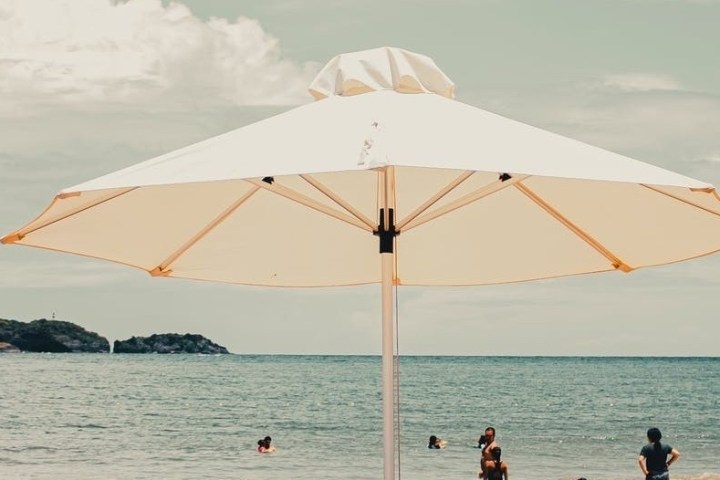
{"x": 85, "y": 416}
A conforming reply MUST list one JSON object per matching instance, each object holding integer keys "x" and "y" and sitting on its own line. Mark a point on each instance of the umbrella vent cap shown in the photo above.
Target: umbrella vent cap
{"x": 385, "y": 68}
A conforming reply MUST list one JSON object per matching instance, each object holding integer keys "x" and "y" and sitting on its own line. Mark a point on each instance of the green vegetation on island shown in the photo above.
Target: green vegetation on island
{"x": 168, "y": 343}
{"x": 56, "y": 336}
{"x": 50, "y": 336}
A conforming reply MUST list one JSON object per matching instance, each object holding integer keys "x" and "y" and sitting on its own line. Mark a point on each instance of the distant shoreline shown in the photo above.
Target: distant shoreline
{"x": 378, "y": 356}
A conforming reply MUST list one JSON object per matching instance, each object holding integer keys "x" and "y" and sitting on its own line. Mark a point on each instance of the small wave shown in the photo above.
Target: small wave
{"x": 702, "y": 476}
{"x": 86, "y": 425}
{"x": 29, "y": 448}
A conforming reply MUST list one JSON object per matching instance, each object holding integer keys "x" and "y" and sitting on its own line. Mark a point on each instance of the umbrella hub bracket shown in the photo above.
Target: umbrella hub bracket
{"x": 386, "y": 230}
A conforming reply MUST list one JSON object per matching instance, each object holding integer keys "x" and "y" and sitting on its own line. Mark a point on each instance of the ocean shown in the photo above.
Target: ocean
{"x": 94, "y": 416}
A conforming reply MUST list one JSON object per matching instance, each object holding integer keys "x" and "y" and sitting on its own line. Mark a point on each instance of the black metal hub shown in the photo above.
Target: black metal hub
{"x": 386, "y": 233}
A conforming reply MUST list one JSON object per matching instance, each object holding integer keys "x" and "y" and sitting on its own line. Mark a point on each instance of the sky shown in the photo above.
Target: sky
{"x": 91, "y": 86}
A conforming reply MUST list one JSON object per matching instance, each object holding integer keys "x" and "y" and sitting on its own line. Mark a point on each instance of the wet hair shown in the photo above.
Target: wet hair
{"x": 261, "y": 443}
{"x": 431, "y": 441}
{"x": 496, "y": 453}
{"x": 654, "y": 436}
{"x": 268, "y": 439}
{"x": 492, "y": 429}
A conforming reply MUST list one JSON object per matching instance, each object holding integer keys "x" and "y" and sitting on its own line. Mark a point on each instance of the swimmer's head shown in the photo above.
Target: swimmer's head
{"x": 496, "y": 452}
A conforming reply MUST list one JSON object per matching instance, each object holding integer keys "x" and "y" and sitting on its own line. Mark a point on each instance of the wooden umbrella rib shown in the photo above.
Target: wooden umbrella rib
{"x": 685, "y": 201}
{"x": 616, "y": 262}
{"x": 163, "y": 269}
{"x": 338, "y": 200}
{"x": 309, "y": 202}
{"x": 435, "y": 198}
{"x": 465, "y": 200}
{"x": 20, "y": 234}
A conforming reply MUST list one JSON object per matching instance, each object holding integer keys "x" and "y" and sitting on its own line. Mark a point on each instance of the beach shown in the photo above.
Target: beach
{"x": 86, "y": 416}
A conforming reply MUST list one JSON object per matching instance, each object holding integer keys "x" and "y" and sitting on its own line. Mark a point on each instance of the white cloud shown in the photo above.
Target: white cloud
{"x": 139, "y": 52}
{"x": 651, "y": 117}
{"x": 690, "y": 2}
{"x": 54, "y": 273}
{"x": 640, "y": 82}
{"x": 674, "y": 129}
{"x": 712, "y": 158}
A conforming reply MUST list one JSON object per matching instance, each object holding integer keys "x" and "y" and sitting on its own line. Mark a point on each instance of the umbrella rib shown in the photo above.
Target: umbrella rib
{"x": 432, "y": 200}
{"x": 616, "y": 262}
{"x": 687, "y": 202}
{"x": 22, "y": 233}
{"x": 163, "y": 269}
{"x": 339, "y": 200}
{"x": 308, "y": 202}
{"x": 471, "y": 197}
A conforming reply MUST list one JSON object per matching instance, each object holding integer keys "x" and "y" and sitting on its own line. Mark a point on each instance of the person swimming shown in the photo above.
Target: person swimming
{"x": 436, "y": 442}
{"x": 265, "y": 445}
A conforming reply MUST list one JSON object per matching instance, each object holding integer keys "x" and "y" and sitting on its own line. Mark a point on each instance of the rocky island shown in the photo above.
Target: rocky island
{"x": 168, "y": 343}
{"x": 56, "y": 336}
{"x": 49, "y": 336}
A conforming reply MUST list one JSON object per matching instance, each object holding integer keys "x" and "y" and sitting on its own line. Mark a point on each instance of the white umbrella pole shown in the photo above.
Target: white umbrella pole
{"x": 388, "y": 260}
{"x": 386, "y": 235}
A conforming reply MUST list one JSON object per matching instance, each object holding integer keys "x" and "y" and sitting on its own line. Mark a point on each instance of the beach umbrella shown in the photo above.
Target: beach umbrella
{"x": 386, "y": 179}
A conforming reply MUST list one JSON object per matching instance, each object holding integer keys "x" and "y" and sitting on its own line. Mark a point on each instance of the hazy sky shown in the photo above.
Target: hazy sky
{"x": 90, "y": 86}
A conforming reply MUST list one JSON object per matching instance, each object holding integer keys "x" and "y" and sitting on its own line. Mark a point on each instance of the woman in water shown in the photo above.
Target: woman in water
{"x": 653, "y": 457}
{"x": 264, "y": 445}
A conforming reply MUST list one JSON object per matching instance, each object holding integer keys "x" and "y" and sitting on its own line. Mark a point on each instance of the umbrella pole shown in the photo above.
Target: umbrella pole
{"x": 388, "y": 261}
{"x": 386, "y": 232}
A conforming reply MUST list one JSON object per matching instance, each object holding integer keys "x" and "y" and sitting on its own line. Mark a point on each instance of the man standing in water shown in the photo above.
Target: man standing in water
{"x": 653, "y": 457}
{"x": 496, "y": 469}
{"x": 486, "y": 453}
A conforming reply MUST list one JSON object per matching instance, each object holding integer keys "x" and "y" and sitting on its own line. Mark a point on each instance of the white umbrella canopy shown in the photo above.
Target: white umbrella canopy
{"x": 454, "y": 195}
{"x": 203, "y": 212}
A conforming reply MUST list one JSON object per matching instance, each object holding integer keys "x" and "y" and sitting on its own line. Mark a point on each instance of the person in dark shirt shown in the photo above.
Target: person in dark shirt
{"x": 653, "y": 457}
